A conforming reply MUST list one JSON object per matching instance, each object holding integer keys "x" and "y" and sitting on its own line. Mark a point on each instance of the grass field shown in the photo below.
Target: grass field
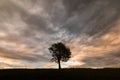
{"x": 63, "y": 74}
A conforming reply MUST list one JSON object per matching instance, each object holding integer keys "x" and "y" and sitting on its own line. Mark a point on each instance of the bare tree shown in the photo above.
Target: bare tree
{"x": 59, "y": 53}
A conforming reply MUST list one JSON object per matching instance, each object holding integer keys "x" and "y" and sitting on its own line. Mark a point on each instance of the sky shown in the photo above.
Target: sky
{"x": 90, "y": 28}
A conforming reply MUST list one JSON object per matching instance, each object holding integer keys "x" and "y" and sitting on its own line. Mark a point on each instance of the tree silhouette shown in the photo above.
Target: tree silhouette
{"x": 59, "y": 53}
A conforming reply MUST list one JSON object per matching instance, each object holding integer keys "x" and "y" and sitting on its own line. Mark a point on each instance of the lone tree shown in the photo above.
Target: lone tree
{"x": 59, "y": 53}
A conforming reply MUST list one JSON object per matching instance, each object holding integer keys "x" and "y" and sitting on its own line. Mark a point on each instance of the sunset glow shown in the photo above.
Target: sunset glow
{"x": 91, "y": 29}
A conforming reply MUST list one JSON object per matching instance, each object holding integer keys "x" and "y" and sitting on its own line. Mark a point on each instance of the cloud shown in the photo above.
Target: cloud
{"x": 93, "y": 20}
{"x": 91, "y": 29}
{"x": 100, "y": 52}
{"x": 111, "y": 60}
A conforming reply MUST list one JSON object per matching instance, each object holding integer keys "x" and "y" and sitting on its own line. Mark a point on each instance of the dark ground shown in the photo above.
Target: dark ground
{"x": 63, "y": 74}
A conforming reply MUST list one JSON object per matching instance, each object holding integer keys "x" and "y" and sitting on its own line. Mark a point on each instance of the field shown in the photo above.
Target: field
{"x": 63, "y": 74}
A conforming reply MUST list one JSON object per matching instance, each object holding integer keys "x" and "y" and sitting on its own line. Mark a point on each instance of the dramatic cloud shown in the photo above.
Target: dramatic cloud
{"x": 91, "y": 28}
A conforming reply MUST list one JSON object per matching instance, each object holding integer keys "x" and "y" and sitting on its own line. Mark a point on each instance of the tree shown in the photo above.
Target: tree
{"x": 59, "y": 53}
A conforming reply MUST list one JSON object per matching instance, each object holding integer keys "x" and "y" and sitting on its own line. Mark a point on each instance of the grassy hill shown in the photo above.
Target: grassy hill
{"x": 63, "y": 74}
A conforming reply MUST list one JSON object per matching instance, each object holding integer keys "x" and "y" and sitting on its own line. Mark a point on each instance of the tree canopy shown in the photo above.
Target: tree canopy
{"x": 59, "y": 53}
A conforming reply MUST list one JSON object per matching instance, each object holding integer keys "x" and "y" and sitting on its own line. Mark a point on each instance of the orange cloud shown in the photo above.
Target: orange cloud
{"x": 106, "y": 44}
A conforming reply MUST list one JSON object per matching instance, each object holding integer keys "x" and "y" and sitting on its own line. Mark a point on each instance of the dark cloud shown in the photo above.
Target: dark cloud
{"x": 76, "y": 5}
{"x": 36, "y": 24}
{"x": 109, "y": 60}
{"x": 94, "y": 19}
{"x": 85, "y": 25}
{"x": 21, "y": 56}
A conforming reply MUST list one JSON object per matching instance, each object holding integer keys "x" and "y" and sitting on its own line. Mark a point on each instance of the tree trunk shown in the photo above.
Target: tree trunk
{"x": 59, "y": 65}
